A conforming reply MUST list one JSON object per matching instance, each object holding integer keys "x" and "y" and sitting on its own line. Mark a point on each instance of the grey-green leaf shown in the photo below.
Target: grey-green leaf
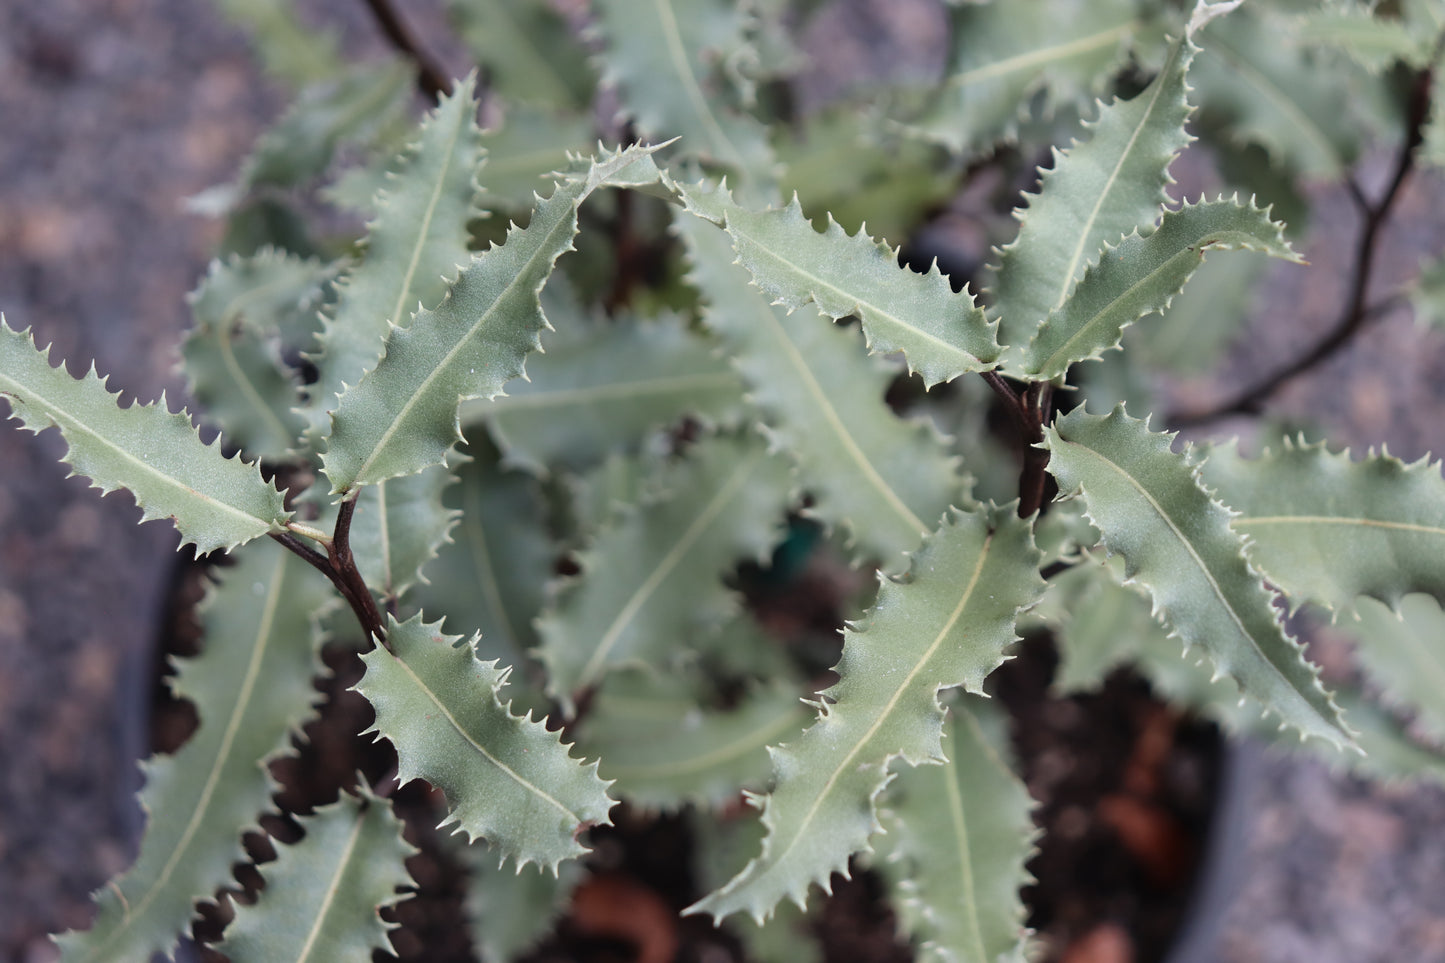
{"x": 506, "y": 778}
{"x": 655, "y": 577}
{"x": 252, "y": 688}
{"x": 1141, "y": 275}
{"x": 959, "y": 835}
{"x": 1098, "y": 190}
{"x": 416, "y": 240}
{"x": 402, "y": 416}
{"x": 886, "y": 481}
{"x": 947, "y": 625}
{"x": 399, "y": 526}
{"x": 1326, "y": 528}
{"x": 322, "y": 894}
{"x": 941, "y": 333}
{"x": 155, "y": 454}
{"x": 1176, "y": 541}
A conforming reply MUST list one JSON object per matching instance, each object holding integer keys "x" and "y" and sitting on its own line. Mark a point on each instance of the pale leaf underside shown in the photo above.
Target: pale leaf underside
{"x": 947, "y": 625}
{"x": 506, "y": 778}
{"x": 157, "y": 455}
{"x": 1176, "y": 542}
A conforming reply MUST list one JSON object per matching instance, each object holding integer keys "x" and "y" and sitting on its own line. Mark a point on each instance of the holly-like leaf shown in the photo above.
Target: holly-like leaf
{"x": 492, "y": 572}
{"x": 958, "y": 837}
{"x": 155, "y": 454}
{"x": 1176, "y": 541}
{"x": 662, "y": 56}
{"x": 1257, "y": 73}
{"x": 602, "y": 387}
{"x": 655, "y": 576}
{"x": 1004, "y": 54}
{"x": 942, "y": 334}
{"x": 528, "y": 50}
{"x": 1402, "y": 647}
{"x": 529, "y": 145}
{"x": 417, "y": 238}
{"x": 663, "y": 749}
{"x": 1141, "y": 275}
{"x": 1193, "y": 335}
{"x": 885, "y": 481}
{"x": 322, "y": 894}
{"x": 402, "y": 416}
{"x": 399, "y": 526}
{"x": 1098, "y": 191}
{"x": 947, "y": 625}
{"x": 1327, "y": 529}
{"x": 506, "y": 778}
{"x": 252, "y": 689}
{"x": 247, "y": 312}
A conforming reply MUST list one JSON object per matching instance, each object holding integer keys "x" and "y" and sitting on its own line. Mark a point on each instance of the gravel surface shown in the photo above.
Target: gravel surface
{"x": 113, "y": 111}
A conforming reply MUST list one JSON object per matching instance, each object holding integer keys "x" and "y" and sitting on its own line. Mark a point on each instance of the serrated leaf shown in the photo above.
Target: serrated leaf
{"x": 289, "y": 50}
{"x": 1202, "y": 319}
{"x": 654, "y": 577}
{"x": 154, "y": 453}
{"x": 946, "y": 626}
{"x": 398, "y": 528}
{"x": 602, "y": 387}
{"x": 506, "y": 778}
{"x": 1326, "y": 528}
{"x": 508, "y": 913}
{"x": 1140, "y": 276}
{"x": 1098, "y": 625}
{"x": 252, "y": 689}
{"x": 528, "y": 50}
{"x": 1098, "y": 190}
{"x": 402, "y": 416}
{"x": 958, "y": 839}
{"x": 247, "y": 311}
{"x": 664, "y": 748}
{"x": 1402, "y": 647}
{"x": 492, "y": 572}
{"x": 883, "y": 480}
{"x": 1006, "y": 54}
{"x": 322, "y": 894}
{"x": 661, "y": 55}
{"x": 1176, "y": 541}
{"x": 1256, "y": 72}
{"x": 415, "y": 242}
{"x": 529, "y": 145}
{"x": 351, "y": 107}
{"x": 942, "y": 334}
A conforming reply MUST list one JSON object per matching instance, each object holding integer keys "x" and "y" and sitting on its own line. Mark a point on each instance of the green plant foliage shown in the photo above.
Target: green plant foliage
{"x": 958, "y": 837}
{"x": 152, "y": 452}
{"x": 646, "y": 482}
{"x": 946, "y": 626}
{"x": 322, "y": 894}
{"x": 1327, "y": 529}
{"x": 507, "y": 779}
{"x": 941, "y": 333}
{"x": 653, "y": 580}
{"x": 1151, "y": 508}
{"x": 252, "y": 685}
{"x": 402, "y": 416}
{"x": 823, "y": 400}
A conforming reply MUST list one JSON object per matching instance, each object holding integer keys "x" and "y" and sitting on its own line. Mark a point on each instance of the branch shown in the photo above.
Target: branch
{"x": 431, "y": 80}
{"x": 339, "y": 566}
{"x": 1356, "y": 314}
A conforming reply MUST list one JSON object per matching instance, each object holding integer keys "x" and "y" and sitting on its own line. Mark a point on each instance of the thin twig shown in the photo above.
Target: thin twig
{"x": 431, "y": 80}
{"x": 345, "y": 565}
{"x": 1356, "y": 314}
